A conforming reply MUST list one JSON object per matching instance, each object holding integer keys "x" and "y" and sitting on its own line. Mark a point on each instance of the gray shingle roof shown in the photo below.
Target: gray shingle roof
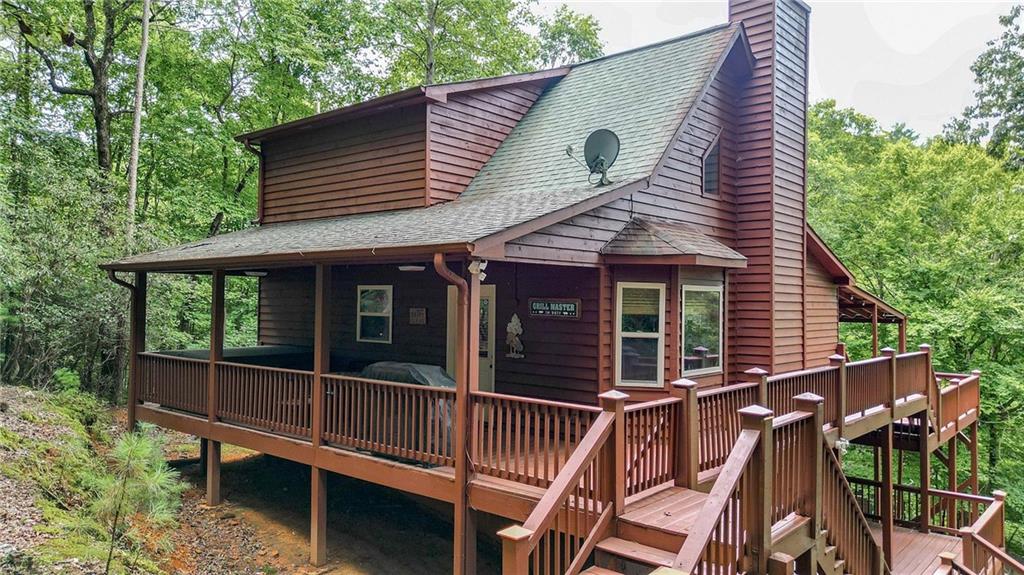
{"x": 641, "y": 95}
{"x": 649, "y": 237}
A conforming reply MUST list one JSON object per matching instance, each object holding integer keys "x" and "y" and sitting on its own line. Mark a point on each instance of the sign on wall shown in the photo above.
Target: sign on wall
{"x": 562, "y": 308}
{"x": 417, "y": 316}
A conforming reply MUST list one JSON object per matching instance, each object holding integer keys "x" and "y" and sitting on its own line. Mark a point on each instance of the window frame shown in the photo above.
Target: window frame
{"x": 660, "y": 336}
{"x": 714, "y": 145}
{"x": 720, "y": 289}
{"x": 360, "y": 314}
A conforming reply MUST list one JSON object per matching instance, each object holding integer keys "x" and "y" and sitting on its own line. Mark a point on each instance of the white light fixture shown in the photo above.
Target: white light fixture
{"x": 411, "y": 268}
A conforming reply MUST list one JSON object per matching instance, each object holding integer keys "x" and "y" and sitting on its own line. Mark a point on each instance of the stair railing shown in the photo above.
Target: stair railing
{"x": 847, "y": 528}
{"x": 732, "y": 533}
{"x": 579, "y": 505}
{"x": 984, "y": 542}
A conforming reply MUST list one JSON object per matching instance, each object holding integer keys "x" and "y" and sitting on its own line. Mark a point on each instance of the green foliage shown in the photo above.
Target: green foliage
{"x": 934, "y": 229}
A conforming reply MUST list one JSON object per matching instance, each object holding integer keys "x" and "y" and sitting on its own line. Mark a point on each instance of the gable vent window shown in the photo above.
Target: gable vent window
{"x": 711, "y": 169}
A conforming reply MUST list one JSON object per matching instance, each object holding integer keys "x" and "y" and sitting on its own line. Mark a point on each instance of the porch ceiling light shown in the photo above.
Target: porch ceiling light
{"x": 255, "y": 273}
{"x": 411, "y": 268}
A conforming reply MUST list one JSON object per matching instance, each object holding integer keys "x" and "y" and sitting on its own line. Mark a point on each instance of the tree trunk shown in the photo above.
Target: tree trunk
{"x": 133, "y": 162}
{"x": 428, "y": 60}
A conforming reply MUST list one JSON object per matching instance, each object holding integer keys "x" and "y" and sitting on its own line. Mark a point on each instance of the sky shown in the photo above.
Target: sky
{"x": 895, "y": 61}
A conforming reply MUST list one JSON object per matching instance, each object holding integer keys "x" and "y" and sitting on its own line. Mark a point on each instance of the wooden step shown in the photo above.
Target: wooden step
{"x": 595, "y": 570}
{"x": 636, "y": 552}
{"x": 662, "y": 518}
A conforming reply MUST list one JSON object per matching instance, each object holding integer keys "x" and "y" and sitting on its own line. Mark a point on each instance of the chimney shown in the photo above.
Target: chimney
{"x": 771, "y": 185}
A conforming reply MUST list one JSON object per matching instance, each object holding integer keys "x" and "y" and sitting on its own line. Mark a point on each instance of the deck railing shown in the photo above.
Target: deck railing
{"x": 173, "y": 382}
{"x": 522, "y": 439}
{"x": 948, "y": 511}
{"x": 846, "y": 526}
{"x": 268, "y": 398}
{"x": 958, "y": 400}
{"x": 577, "y": 509}
{"x": 718, "y": 413}
{"x": 651, "y": 436}
{"x": 868, "y": 385}
{"x": 912, "y": 374}
{"x": 400, "y": 420}
{"x": 985, "y": 540}
{"x": 821, "y": 381}
{"x": 795, "y": 444}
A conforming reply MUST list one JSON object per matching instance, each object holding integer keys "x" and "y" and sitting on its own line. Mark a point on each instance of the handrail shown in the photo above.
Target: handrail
{"x": 173, "y": 357}
{"x": 381, "y": 382}
{"x": 711, "y": 392}
{"x": 1001, "y": 555}
{"x": 721, "y": 504}
{"x": 267, "y": 368}
{"x": 534, "y": 401}
{"x": 573, "y": 490}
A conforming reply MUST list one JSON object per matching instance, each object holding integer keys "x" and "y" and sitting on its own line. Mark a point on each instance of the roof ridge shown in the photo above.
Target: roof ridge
{"x": 665, "y": 42}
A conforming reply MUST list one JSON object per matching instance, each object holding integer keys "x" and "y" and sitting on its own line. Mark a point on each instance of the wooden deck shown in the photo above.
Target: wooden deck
{"x": 917, "y": 553}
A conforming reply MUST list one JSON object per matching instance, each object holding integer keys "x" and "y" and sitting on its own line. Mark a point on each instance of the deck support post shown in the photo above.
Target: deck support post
{"x": 903, "y": 336}
{"x": 212, "y": 472}
{"x": 515, "y": 550}
{"x": 137, "y": 345}
{"x": 760, "y": 418}
{"x": 925, "y": 471}
{"x": 759, "y": 376}
{"x": 886, "y": 495}
{"x": 952, "y": 483}
{"x": 839, "y": 362}
{"x": 321, "y": 365}
{"x": 782, "y": 564}
{"x": 874, "y": 329}
{"x": 812, "y": 403}
{"x": 615, "y": 402}
{"x": 891, "y": 354}
{"x": 687, "y": 433}
{"x": 464, "y": 553}
{"x": 216, "y": 355}
{"x": 318, "y": 516}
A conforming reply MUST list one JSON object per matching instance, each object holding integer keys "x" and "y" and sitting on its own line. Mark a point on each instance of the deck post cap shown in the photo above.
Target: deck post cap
{"x": 924, "y": 347}
{"x": 756, "y": 411}
{"x": 809, "y": 397}
{"x": 976, "y": 372}
{"x": 999, "y": 495}
{"x": 756, "y": 371}
{"x": 947, "y": 557}
{"x": 836, "y": 358}
{"x": 684, "y": 383}
{"x": 515, "y": 533}
{"x": 888, "y": 351}
{"x": 614, "y": 395}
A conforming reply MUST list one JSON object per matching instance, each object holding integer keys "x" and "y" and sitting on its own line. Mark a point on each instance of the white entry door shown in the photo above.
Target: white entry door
{"x": 487, "y": 319}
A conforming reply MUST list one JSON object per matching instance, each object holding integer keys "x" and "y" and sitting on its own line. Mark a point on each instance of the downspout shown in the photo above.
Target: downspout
{"x": 259, "y": 184}
{"x": 112, "y": 275}
{"x": 462, "y": 520}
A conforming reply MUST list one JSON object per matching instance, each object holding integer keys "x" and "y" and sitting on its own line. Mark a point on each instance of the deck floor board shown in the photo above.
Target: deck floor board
{"x": 673, "y": 510}
{"x": 917, "y": 553}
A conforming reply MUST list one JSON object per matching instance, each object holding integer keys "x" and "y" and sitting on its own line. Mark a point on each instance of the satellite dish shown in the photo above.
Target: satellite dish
{"x": 600, "y": 151}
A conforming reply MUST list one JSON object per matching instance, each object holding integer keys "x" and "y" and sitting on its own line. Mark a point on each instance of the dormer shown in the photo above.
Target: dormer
{"x": 411, "y": 149}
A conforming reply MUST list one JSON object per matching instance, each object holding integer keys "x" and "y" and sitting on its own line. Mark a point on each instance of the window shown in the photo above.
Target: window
{"x": 640, "y": 329}
{"x": 701, "y": 343}
{"x": 711, "y": 168}
{"x": 373, "y": 314}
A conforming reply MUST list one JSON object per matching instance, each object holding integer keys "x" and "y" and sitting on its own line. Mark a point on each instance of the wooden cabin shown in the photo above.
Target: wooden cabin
{"x": 638, "y": 375}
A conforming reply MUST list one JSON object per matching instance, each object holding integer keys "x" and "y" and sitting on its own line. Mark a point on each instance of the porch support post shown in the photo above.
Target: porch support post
{"x": 951, "y": 470}
{"x": 137, "y": 345}
{"x": 903, "y": 336}
{"x": 462, "y": 564}
{"x": 216, "y": 355}
{"x": 925, "y": 471}
{"x": 318, "y": 516}
{"x": 886, "y": 511}
{"x": 321, "y": 365}
{"x": 874, "y": 330}
{"x": 472, "y": 339}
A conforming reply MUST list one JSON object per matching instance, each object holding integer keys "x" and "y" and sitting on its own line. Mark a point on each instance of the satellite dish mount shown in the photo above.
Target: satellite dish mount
{"x": 600, "y": 151}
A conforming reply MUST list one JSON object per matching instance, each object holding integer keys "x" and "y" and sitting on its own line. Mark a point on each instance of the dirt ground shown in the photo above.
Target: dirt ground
{"x": 263, "y": 525}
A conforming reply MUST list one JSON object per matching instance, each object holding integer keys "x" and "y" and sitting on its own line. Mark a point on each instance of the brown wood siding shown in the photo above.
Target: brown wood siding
{"x": 561, "y": 355}
{"x": 790, "y": 166}
{"x": 822, "y": 314}
{"x": 368, "y": 164}
{"x": 465, "y": 131}
{"x": 286, "y": 307}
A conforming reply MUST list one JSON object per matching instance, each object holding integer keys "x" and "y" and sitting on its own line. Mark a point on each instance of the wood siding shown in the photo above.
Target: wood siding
{"x": 770, "y": 204}
{"x": 286, "y": 307}
{"x": 464, "y": 132}
{"x": 822, "y": 314}
{"x": 364, "y": 165}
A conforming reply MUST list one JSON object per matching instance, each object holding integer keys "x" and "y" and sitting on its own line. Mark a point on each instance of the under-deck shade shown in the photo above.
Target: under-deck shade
{"x": 669, "y": 242}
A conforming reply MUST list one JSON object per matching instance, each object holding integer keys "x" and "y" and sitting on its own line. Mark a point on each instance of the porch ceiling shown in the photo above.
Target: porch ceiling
{"x": 858, "y": 305}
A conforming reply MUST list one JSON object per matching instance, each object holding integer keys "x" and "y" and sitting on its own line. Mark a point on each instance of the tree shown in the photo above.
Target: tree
{"x": 998, "y": 113}
{"x": 140, "y": 79}
{"x": 568, "y": 37}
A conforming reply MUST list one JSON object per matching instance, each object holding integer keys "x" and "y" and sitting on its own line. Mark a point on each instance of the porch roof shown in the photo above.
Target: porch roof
{"x": 682, "y": 243}
{"x": 643, "y": 95}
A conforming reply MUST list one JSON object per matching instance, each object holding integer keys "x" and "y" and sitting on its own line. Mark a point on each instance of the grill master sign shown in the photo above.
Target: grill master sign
{"x": 557, "y": 308}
